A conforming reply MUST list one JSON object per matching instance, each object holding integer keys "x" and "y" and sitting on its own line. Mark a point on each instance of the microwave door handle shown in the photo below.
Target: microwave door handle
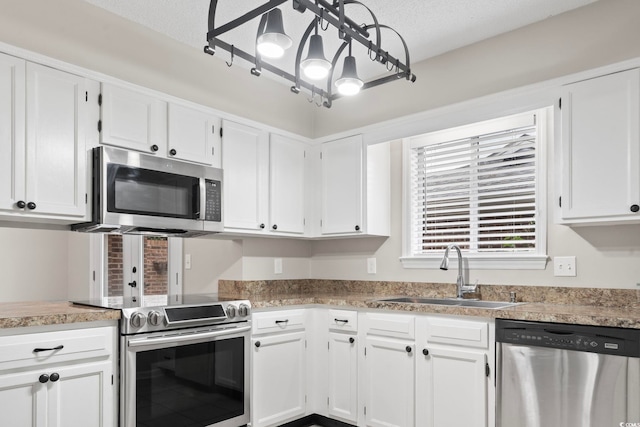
{"x": 202, "y": 208}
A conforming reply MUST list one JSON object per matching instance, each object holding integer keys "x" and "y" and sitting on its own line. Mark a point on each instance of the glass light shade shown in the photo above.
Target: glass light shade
{"x": 349, "y": 84}
{"x": 316, "y": 66}
{"x": 273, "y": 41}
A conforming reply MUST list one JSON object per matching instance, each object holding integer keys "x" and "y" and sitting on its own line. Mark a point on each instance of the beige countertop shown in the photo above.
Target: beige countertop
{"x": 21, "y": 314}
{"x": 40, "y": 313}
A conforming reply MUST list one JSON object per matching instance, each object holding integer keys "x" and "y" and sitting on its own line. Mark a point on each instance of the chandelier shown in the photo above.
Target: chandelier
{"x": 314, "y": 73}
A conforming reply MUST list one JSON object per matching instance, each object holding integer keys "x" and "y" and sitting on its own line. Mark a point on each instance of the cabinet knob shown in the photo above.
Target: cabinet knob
{"x": 173, "y": 152}
{"x": 357, "y": 228}
{"x": 43, "y": 378}
{"x": 31, "y": 205}
{"x": 257, "y": 344}
{"x": 425, "y": 352}
{"x": 261, "y": 225}
{"x": 54, "y": 377}
{"x": 635, "y": 208}
{"x": 352, "y": 340}
{"x": 154, "y": 148}
{"x": 275, "y": 227}
{"x": 408, "y": 348}
{"x": 21, "y": 204}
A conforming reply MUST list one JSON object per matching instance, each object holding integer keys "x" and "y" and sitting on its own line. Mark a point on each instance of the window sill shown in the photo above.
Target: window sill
{"x": 480, "y": 262}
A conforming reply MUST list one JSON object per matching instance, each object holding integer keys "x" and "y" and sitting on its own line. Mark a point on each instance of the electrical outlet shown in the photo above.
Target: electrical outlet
{"x": 187, "y": 261}
{"x": 564, "y": 266}
{"x": 277, "y": 265}
{"x": 371, "y": 265}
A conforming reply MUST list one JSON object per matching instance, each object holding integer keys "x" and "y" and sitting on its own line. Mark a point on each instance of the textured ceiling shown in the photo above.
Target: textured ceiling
{"x": 430, "y": 27}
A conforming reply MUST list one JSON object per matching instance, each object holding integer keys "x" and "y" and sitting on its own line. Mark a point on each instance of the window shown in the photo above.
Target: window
{"x": 141, "y": 267}
{"x": 482, "y": 187}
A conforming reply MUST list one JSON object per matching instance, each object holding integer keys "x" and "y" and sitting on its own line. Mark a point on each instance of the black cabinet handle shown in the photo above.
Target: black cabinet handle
{"x": 43, "y": 378}
{"x": 282, "y": 321}
{"x": 357, "y": 228}
{"x": 408, "y": 348}
{"x": 341, "y": 320}
{"x": 54, "y": 377}
{"x": 352, "y": 340}
{"x": 274, "y": 226}
{"x": 261, "y": 225}
{"x": 38, "y": 350}
{"x": 635, "y": 208}
{"x": 173, "y": 152}
{"x": 31, "y": 205}
{"x": 133, "y": 284}
{"x": 425, "y": 352}
{"x": 154, "y": 148}
{"x": 21, "y": 204}
{"x": 257, "y": 344}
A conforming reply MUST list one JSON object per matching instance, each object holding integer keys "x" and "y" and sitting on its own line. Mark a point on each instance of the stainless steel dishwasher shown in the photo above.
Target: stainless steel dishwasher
{"x": 552, "y": 375}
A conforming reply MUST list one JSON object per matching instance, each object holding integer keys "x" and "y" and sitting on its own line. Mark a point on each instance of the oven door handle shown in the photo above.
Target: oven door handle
{"x": 180, "y": 338}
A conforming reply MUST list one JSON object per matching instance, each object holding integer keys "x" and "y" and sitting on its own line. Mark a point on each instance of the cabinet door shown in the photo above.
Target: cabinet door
{"x": 81, "y": 397}
{"x": 279, "y": 378}
{"x": 12, "y": 125}
{"x": 133, "y": 120}
{"x": 193, "y": 135}
{"x": 23, "y": 400}
{"x": 389, "y": 382}
{"x": 343, "y": 377}
{"x": 245, "y": 161}
{"x": 601, "y": 147}
{"x": 448, "y": 375}
{"x": 55, "y": 148}
{"x": 342, "y": 186}
{"x": 287, "y": 183}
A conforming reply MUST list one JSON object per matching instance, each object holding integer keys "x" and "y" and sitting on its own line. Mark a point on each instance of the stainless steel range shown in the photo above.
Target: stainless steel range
{"x": 183, "y": 362}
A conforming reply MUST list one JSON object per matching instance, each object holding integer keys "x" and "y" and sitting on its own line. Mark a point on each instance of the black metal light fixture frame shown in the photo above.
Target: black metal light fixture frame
{"x": 325, "y": 12}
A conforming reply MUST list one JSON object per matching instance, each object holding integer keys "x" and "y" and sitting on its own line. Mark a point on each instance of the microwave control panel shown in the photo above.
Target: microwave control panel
{"x": 213, "y": 200}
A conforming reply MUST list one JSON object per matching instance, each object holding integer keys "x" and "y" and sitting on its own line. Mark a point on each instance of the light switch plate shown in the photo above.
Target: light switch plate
{"x": 564, "y": 266}
{"x": 277, "y": 265}
{"x": 371, "y": 265}
{"x": 187, "y": 261}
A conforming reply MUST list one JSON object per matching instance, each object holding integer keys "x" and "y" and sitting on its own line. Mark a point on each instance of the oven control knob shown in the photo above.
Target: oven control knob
{"x": 154, "y": 317}
{"x": 138, "y": 320}
{"x": 232, "y": 311}
{"x": 244, "y": 310}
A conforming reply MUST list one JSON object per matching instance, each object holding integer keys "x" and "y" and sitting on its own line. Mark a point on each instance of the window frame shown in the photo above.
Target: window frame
{"x": 536, "y": 260}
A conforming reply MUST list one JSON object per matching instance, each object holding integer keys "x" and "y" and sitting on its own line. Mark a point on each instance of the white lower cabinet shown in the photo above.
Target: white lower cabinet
{"x": 279, "y": 368}
{"x": 453, "y": 373}
{"x": 342, "y": 396}
{"x": 389, "y": 370}
{"x": 72, "y": 386}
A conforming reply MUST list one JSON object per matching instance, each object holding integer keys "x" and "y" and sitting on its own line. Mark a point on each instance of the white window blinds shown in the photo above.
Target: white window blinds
{"x": 475, "y": 186}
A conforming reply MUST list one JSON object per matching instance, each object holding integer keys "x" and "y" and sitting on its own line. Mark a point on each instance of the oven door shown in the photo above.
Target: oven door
{"x": 193, "y": 377}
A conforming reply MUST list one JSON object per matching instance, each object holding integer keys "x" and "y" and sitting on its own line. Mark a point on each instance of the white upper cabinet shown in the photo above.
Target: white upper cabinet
{"x": 600, "y": 150}
{"x": 44, "y": 112}
{"x": 133, "y": 120}
{"x": 287, "y": 185}
{"x": 355, "y": 188}
{"x": 245, "y": 161}
{"x": 193, "y": 135}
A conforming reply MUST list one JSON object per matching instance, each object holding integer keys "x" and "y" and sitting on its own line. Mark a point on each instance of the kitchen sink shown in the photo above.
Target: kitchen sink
{"x": 452, "y": 302}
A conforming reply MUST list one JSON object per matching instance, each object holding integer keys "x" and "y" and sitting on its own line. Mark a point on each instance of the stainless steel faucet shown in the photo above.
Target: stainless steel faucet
{"x": 461, "y": 287}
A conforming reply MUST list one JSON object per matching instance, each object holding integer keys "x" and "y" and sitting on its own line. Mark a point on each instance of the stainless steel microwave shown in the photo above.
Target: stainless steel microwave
{"x": 135, "y": 193}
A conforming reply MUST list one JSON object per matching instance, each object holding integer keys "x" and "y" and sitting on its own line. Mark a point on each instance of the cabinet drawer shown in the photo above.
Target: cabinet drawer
{"x": 278, "y": 321}
{"x": 343, "y": 320}
{"x": 36, "y": 349}
{"x": 459, "y": 332}
{"x": 391, "y": 325}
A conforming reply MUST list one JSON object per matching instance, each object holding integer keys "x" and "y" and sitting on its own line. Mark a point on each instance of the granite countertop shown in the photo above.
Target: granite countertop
{"x": 624, "y": 317}
{"x": 40, "y": 313}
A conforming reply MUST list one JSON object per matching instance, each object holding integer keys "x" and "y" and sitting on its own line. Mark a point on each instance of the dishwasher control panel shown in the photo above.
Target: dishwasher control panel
{"x": 594, "y": 339}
